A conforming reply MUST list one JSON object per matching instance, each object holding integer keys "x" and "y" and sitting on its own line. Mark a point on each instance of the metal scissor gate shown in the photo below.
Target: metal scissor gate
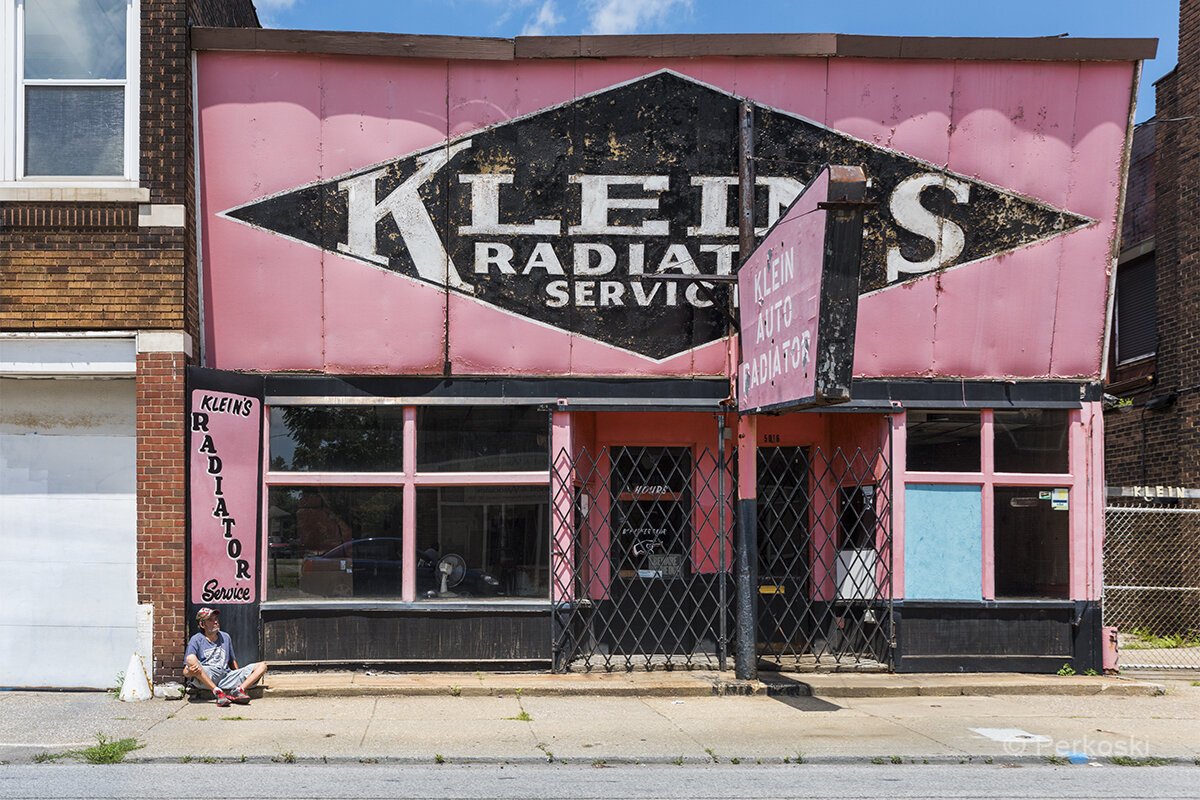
{"x": 643, "y": 567}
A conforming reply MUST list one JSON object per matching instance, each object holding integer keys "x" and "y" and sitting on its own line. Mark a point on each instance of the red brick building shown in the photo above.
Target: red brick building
{"x": 1153, "y": 428}
{"x": 98, "y": 318}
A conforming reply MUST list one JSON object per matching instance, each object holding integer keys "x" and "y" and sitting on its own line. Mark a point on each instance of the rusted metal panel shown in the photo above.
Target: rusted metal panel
{"x": 396, "y": 45}
{"x": 536, "y": 195}
{"x": 554, "y": 217}
{"x": 821, "y": 45}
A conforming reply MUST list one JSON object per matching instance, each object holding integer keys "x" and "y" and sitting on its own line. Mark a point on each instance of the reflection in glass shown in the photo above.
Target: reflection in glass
{"x": 482, "y": 439}
{"x": 75, "y": 39}
{"x": 334, "y": 542}
{"x": 1032, "y": 440}
{"x": 501, "y": 534}
{"x": 652, "y": 525}
{"x": 74, "y": 130}
{"x": 943, "y": 441}
{"x": 337, "y": 439}
{"x": 1031, "y": 544}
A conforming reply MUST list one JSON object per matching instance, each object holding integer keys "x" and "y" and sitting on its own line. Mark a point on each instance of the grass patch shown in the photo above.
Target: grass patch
{"x": 735, "y": 760}
{"x": 1066, "y": 670}
{"x": 456, "y": 691}
{"x": 108, "y": 751}
{"x": 286, "y": 757}
{"x": 1057, "y": 761}
{"x": 712, "y": 755}
{"x": 1130, "y": 761}
{"x": 1146, "y": 639}
{"x": 438, "y": 758}
{"x": 186, "y": 759}
{"x": 115, "y": 691}
{"x": 678, "y": 761}
{"x": 233, "y": 719}
{"x": 522, "y": 717}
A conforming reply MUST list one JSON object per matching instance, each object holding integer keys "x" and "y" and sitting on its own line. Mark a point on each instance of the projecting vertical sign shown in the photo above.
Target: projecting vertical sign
{"x": 224, "y": 435}
{"x": 798, "y": 296}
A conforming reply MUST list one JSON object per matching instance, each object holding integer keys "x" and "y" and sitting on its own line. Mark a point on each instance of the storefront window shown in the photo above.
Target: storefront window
{"x": 485, "y": 541}
{"x": 334, "y": 542}
{"x": 337, "y": 438}
{"x": 1032, "y": 542}
{"x": 1032, "y": 440}
{"x": 943, "y": 441}
{"x": 482, "y": 439}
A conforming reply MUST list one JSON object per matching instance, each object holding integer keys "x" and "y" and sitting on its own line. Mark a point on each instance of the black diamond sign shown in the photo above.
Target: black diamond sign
{"x": 560, "y": 215}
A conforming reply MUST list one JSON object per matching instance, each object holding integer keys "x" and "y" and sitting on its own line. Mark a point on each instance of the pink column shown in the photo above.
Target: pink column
{"x": 747, "y": 445}
{"x": 562, "y": 482}
{"x": 408, "y": 590}
{"x": 1084, "y": 528}
{"x": 899, "y": 465}
{"x": 987, "y": 454}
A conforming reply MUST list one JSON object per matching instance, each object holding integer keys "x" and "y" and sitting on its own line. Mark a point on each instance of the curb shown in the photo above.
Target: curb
{"x": 882, "y": 761}
{"x": 726, "y": 688}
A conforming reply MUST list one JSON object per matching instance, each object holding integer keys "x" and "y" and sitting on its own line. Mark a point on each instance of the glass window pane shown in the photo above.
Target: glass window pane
{"x": 490, "y": 541}
{"x": 1032, "y": 440}
{"x": 482, "y": 439}
{"x": 74, "y": 131}
{"x": 75, "y": 39}
{"x": 1031, "y": 544}
{"x": 334, "y": 541}
{"x": 652, "y": 513}
{"x": 337, "y": 439}
{"x": 943, "y": 441}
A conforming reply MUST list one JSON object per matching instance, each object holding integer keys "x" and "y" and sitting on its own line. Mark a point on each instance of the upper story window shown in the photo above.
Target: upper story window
{"x": 1136, "y": 318}
{"x": 70, "y": 90}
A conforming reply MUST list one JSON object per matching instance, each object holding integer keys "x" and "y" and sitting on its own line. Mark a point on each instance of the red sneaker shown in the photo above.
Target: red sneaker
{"x": 223, "y": 700}
{"x": 238, "y": 696}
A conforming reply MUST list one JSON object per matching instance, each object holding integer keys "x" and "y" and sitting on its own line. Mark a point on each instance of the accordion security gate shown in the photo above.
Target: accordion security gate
{"x": 642, "y": 558}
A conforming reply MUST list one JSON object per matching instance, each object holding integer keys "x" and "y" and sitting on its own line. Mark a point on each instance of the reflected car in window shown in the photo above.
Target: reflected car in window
{"x": 373, "y": 567}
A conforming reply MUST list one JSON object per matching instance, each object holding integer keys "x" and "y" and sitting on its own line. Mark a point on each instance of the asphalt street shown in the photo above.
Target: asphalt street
{"x": 541, "y": 782}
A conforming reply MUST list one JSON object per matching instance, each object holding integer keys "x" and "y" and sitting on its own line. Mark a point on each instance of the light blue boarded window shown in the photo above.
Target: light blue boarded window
{"x": 943, "y": 542}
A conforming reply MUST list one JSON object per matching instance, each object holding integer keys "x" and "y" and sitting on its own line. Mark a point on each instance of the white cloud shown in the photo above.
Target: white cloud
{"x": 544, "y": 21}
{"x": 268, "y": 10}
{"x": 632, "y": 16}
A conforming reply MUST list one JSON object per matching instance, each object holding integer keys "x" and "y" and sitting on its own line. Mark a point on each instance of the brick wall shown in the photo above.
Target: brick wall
{"x": 69, "y": 266}
{"x": 1138, "y": 222}
{"x": 161, "y": 509}
{"x": 1163, "y": 446}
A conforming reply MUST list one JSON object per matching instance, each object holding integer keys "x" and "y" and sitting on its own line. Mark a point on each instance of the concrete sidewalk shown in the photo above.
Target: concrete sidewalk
{"x": 655, "y": 718}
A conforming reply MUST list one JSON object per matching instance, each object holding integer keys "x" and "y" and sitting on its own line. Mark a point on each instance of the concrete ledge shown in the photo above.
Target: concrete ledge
{"x": 699, "y": 683}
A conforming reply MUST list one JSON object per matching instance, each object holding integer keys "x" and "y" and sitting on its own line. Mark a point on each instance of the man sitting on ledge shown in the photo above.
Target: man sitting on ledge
{"x": 209, "y": 660}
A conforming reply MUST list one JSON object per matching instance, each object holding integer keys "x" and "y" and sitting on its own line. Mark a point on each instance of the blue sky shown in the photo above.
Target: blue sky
{"x": 1102, "y": 18}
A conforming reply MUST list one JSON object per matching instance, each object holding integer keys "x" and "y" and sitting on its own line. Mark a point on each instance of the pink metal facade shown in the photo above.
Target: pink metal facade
{"x": 1052, "y": 133}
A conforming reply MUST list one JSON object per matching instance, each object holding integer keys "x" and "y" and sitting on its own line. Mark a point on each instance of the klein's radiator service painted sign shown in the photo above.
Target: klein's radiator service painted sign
{"x": 224, "y": 430}
{"x": 519, "y": 224}
{"x": 799, "y": 299}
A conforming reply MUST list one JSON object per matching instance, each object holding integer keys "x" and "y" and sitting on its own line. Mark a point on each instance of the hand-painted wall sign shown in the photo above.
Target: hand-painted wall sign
{"x": 224, "y": 434}
{"x": 557, "y": 216}
{"x": 799, "y": 299}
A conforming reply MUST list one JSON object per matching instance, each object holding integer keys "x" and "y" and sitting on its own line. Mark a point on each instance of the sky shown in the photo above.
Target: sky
{"x": 506, "y": 18}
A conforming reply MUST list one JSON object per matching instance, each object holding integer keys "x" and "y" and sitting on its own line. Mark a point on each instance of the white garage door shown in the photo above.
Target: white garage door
{"x": 68, "y": 531}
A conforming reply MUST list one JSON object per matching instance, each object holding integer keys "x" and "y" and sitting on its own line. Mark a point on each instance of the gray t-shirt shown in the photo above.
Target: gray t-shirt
{"x": 216, "y": 657}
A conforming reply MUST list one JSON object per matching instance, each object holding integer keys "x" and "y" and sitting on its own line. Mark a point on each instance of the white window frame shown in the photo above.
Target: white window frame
{"x": 12, "y": 106}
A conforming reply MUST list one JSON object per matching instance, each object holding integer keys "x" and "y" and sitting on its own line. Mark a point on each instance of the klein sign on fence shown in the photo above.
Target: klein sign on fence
{"x": 798, "y": 298}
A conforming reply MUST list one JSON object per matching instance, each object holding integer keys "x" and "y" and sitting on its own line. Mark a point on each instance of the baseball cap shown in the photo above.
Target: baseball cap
{"x": 205, "y": 613}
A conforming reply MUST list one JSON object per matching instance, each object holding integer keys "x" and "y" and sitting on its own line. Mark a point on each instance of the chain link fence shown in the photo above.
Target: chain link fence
{"x": 1152, "y": 585}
